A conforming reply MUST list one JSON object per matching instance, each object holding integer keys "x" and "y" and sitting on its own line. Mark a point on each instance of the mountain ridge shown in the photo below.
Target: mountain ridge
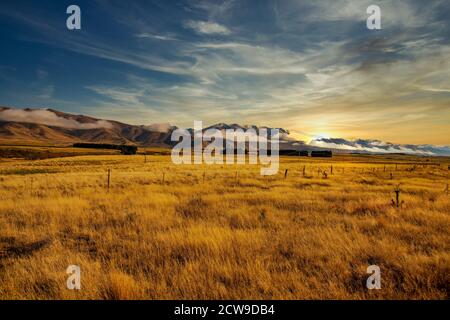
{"x": 50, "y": 126}
{"x": 19, "y": 124}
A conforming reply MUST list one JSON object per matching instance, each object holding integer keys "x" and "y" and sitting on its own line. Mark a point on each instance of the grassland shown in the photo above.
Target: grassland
{"x": 163, "y": 231}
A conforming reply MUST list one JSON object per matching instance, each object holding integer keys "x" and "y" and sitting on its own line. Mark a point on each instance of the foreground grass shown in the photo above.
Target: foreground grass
{"x": 224, "y": 232}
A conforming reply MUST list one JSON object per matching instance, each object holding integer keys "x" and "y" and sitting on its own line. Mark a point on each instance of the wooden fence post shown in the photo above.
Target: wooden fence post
{"x": 397, "y": 196}
{"x": 109, "y": 178}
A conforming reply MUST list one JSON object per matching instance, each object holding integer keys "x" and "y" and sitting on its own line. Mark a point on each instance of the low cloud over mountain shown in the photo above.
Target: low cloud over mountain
{"x": 51, "y": 126}
{"x": 378, "y": 146}
{"x": 160, "y": 127}
{"x": 49, "y": 118}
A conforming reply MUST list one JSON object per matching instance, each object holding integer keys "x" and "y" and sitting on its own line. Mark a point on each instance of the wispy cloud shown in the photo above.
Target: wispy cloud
{"x": 47, "y": 92}
{"x": 147, "y": 35}
{"x": 207, "y": 27}
{"x": 127, "y": 96}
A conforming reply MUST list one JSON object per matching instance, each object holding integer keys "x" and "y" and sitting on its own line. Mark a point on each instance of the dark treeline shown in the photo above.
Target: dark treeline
{"x": 124, "y": 149}
{"x": 324, "y": 154}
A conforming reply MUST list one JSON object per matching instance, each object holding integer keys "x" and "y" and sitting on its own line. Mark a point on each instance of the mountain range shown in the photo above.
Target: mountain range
{"x": 52, "y": 127}
{"x": 31, "y": 126}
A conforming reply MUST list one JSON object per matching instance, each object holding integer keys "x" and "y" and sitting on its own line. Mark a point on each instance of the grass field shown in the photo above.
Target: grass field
{"x": 163, "y": 231}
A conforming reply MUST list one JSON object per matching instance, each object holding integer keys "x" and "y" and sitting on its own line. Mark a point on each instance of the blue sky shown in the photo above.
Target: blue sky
{"x": 310, "y": 66}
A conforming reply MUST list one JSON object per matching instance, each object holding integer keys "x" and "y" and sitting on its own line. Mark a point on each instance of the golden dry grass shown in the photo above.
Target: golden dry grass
{"x": 200, "y": 233}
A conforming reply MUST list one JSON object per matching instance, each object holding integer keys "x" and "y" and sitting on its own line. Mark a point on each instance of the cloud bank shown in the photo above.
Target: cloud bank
{"x": 46, "y": 117}
{"x": 378, "y": 146}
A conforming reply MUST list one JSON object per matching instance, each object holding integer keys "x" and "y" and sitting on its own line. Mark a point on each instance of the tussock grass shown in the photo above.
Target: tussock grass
{"x": 200, "y": 234}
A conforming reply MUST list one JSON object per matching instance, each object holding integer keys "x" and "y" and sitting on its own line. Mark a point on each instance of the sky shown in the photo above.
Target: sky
{"x": 312, "y": 67}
